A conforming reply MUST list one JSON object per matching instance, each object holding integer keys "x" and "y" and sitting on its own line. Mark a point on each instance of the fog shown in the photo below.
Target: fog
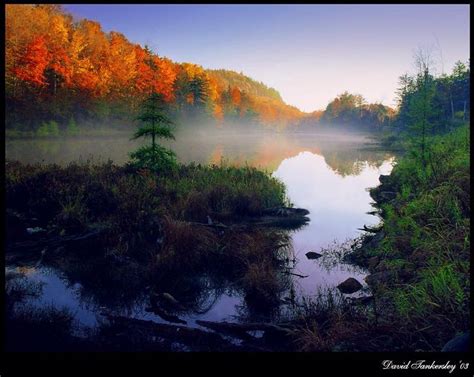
{"x": 326, "y": 172}
{"x": 234, "y": 143}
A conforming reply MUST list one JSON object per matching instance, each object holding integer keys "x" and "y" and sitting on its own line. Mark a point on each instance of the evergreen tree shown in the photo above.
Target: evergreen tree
{"x": 155, "y": 125}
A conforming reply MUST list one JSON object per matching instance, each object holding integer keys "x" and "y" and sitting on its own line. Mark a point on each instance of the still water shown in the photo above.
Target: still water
{"x": 327, "y": 174}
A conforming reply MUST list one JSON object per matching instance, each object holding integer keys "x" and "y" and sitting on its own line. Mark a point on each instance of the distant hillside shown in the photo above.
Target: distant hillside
{"x": 244, "y": 83}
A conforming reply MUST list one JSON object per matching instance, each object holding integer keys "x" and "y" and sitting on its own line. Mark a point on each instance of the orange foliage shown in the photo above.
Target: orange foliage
{"x": 33, "y": 62}
{"x": 165, "y": 76}
{"x": 236, "y": 97}
{"x": 90, "y": 63}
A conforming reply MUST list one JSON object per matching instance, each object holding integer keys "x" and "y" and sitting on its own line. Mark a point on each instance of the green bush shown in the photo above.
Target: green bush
{"x": 50, "y": 128}
{"x": 72, "y": 128}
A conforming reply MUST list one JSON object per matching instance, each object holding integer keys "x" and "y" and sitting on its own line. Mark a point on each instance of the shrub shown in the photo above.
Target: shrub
{"x": 72, "y": 128}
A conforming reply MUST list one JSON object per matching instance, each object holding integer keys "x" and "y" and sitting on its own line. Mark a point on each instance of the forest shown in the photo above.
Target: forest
{"x": 64, "y": 76}
{"x": 156, "y": 237}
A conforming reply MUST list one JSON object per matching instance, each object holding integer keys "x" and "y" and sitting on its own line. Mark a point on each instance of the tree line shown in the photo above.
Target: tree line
{"x": 60, "y": 71}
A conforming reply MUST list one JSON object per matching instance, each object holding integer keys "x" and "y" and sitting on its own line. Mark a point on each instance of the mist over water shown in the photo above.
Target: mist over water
{"x": 237, "y": 144}
{"x": 327, "y": 173}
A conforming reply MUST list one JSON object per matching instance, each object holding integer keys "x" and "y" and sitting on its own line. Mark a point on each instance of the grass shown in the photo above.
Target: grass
{"x": 421, "y": 287}
{"x": 157, "y": 223}
{"x": 427, "y": 243}
{"x": 327, "y": 322}
{"x": 132, "y": 199}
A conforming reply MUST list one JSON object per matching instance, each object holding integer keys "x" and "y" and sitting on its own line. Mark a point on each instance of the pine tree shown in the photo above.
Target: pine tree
{"x": 155, "y": 124}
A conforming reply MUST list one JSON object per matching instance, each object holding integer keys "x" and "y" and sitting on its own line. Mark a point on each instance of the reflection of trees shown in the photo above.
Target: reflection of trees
{"x": 268, "y": 152}
{"x": 352, "y": 161}
{"x": 127, "y": 288}
{"x": 263, "y": 150}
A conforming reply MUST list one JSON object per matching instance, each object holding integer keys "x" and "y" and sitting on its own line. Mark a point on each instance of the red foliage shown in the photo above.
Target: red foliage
{"x": 33, "y": 62}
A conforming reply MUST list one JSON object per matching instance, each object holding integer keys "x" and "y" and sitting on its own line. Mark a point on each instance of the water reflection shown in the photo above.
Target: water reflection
{"x": 342, "y": 154}
{"x": 338, "y": 205}
{"x": 325, "y": 174}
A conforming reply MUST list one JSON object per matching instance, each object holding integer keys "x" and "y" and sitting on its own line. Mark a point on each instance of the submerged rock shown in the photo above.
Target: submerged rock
{"x": 350, "y": 285}
{"x": 313, "y": 255}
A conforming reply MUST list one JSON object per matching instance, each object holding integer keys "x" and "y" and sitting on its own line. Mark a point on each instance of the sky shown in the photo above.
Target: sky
{"x": 309, "y": 53}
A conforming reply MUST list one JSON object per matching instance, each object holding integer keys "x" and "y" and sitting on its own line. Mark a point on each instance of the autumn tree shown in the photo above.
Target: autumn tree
{"x": 57, "y": 68}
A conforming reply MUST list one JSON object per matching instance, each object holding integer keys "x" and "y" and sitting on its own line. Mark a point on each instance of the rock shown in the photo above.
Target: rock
{"x": 350, "y": 285}
{"x": 313, "y": 255}
{"x": 460, "y": 343}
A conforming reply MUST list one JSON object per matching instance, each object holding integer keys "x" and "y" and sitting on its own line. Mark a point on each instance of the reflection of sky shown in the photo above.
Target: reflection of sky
{"x": 337, "y": 206}
{"x": 56, "y": 292}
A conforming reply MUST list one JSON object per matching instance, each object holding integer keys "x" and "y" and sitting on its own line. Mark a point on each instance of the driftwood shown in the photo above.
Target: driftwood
{"x": 205, "y": 340}
{"x": 273, "y": 338}
{"x": 278, "y": 221}
{"x": 283, "y": 217}
{"x": 243, "y": 327}
{"x": 181, "y": 334}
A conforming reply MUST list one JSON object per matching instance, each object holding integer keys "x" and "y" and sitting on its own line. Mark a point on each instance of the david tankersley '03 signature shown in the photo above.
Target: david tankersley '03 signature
{"x": 423, "y": 365}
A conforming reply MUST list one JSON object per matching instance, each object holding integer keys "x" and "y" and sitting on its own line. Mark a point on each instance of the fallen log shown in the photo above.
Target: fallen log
{"x": 232, "y": 326}
{"x": 181, "y": 334}
{"x": 284, "y": 217}
{"x": 273, "y": 335}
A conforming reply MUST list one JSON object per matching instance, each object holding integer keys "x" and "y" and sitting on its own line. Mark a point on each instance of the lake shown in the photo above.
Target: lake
{"x": 327, "y": 174}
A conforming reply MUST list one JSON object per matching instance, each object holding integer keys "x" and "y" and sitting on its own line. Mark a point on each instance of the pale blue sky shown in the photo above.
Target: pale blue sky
{"x": 309, "y": 53}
